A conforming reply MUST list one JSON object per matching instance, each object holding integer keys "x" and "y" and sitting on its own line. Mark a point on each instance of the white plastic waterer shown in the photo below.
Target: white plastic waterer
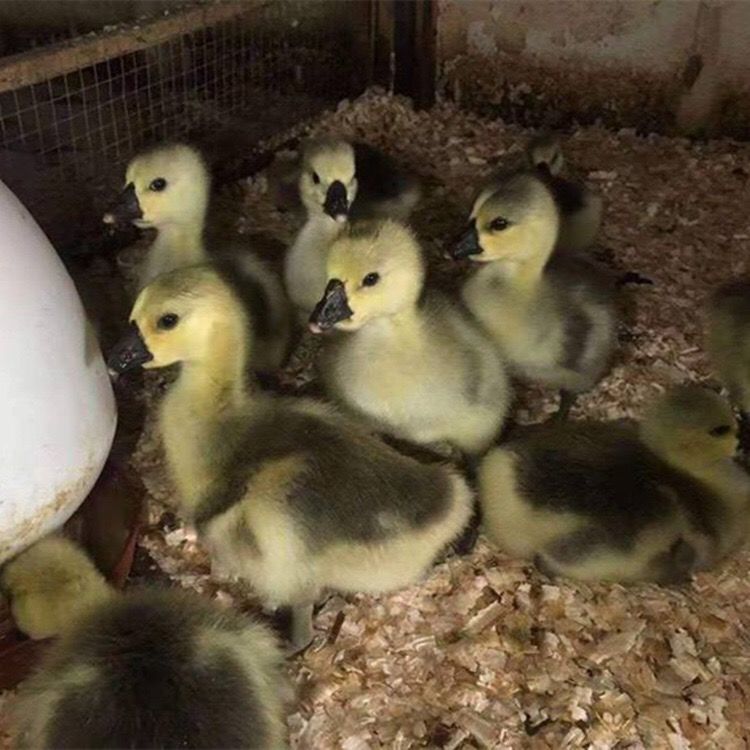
{"x": 57, "y": 409}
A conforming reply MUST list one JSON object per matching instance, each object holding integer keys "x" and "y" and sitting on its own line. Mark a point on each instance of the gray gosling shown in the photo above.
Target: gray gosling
{"x": 728, "y": 340}
{"x": 340, "y": 182}
{"x": 553, "y": 318}
{"x": 580, "y": 208}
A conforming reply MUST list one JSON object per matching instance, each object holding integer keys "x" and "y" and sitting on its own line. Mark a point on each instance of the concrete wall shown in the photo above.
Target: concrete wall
{"x": 663, "y": 64}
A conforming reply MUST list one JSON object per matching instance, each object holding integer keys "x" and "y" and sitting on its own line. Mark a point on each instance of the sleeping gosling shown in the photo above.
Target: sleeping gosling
{"x": 553, "y": 318}
{"x": 412, "y": 364}
{"x": 618, "y": 501}
{"x": 285, "y": 493}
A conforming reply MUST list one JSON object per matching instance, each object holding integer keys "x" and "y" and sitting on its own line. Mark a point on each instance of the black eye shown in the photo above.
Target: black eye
{"x": 315, "y": 178}
{"x": 158, "y": 184}
{"x": 499, "y": 224}
{"x": 720, "y": 431}
{"x": 167, "y": 321}
{"x": 371, "y": 279}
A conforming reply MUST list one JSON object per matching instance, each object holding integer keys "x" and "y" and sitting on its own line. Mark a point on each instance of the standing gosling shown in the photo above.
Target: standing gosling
{"x": 339, "y": 182}
{"x": 147, "y": 669}
{"x": 554, "y": 320}
{"x": 284, "y": 492}
{"x": 419, "y": 368}
{"x": 729, "y": 346}
{"x": 580, "y": 208}
{"x": 168, "y": 189}
{"x": 621, "y": 502}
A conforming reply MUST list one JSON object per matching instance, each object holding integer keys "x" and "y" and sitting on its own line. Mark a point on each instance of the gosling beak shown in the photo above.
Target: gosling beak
{"x": 129, "y": 352}
{"x": 125, "y": 209}
{"x": 331, "y": 309}
{"x": 468, "y": 245}
{"x": 336, "y": 204}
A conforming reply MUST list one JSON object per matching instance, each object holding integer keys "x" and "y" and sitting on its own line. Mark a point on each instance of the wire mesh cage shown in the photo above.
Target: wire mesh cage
{"x": 72, "y": 113}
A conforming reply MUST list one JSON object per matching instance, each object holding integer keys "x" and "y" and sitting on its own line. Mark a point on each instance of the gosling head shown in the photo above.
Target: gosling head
{"x": 690, "y": 427}
{"x": 178, "y": 317}
{"x": 375, "y": 270}
{"x": 168, "y": 185}
{"x": 544, "y": 152}
{"x": 328, "y": 181}
{"x": 516, "y": 221}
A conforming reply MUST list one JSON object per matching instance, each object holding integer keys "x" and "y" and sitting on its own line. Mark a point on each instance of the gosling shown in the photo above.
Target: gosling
{"x": 553, "y": 318}
{"x": 728, "y": 342}
{"x": 150, "y": 668}
{"x": 580, "y": 207}
{"x": 416, "y": 366}
{"x": 285, "y": 493}
{"x": 618, "y": 501}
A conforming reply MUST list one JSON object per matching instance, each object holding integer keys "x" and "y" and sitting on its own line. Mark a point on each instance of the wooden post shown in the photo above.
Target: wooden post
{"x": 414, "y": 32}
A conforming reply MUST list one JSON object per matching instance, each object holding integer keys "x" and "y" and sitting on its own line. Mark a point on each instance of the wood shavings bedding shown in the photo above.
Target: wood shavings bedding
{"x": 487, "y": 652}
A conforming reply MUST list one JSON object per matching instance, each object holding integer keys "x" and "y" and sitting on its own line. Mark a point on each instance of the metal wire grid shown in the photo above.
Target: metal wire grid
{"x": 81, "y": 126}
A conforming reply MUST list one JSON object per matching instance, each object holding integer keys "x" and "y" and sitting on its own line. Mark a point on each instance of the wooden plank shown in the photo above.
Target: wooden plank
{"x": 39, "y": 65}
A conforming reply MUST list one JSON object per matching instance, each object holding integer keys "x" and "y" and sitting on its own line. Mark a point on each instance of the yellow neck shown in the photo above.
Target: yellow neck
{"x": 208, "y": 391}
{"x": 523, "y": 277}
{"x": 183, "y": 242}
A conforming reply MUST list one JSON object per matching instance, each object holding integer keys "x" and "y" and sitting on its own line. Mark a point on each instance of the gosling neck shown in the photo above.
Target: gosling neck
{"x": 216, "y": 382}
{"x": 404, "y": 324}
{"x": 184, "y": 241}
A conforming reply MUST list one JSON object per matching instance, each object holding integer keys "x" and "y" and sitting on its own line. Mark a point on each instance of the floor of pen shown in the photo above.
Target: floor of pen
{"x": 487, "y": 652}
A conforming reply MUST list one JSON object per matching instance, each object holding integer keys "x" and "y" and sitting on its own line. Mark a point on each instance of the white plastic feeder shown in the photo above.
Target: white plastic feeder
{"x": 57, "y": 409}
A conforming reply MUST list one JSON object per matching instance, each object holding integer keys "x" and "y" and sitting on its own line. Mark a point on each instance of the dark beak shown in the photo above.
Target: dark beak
{"x": 336, "y": 204}
{"x": 331, "y": 309}
{"x": 126, "y": 209}
{"x": 468, "y": 245}
{"x": 129, "y": 352}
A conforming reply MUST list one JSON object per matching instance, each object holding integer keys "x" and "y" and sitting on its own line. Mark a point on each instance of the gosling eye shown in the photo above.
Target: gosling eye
{"x": 371, "y": 279}
{"x": 167, "y": 321}
{"x": 498, "y": 224}
{"x": 158, "y": 184}
{"x": 720, "y": 431}
{"x": 315, "y": 178}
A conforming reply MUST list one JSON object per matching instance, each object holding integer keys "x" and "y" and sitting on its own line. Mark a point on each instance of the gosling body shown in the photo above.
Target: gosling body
{"x": 553, "y": 318}
{"x": 147, "y": 669}
{"x": 286, "y": 493}
{"x": 412, "y": 364}
{"x": 618, "y": 501}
